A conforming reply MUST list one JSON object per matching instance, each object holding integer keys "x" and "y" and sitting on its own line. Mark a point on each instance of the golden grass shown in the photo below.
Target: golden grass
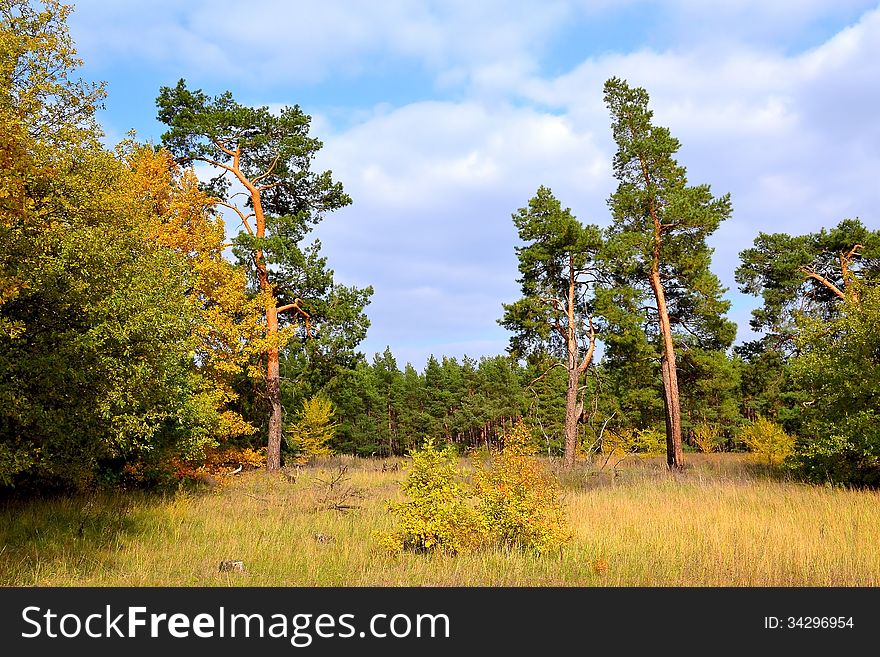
{"x": 723, "y": 522}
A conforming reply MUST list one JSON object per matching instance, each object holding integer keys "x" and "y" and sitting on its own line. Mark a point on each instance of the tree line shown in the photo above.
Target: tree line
{"x": 131, "y": 346}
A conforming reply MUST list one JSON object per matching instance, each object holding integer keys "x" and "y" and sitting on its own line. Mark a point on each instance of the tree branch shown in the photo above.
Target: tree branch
{"x": 853, "y": 250}
{"x": 546, "y": 372}
{"x": 824, "y": 281}
{"x": 295, "y": 306}
{"x": 585, "y": 363}
{"x": 215, "y": 163}
{"x": 219, "y": 144}
{"x": 244, "y": 219}
{"x": 555, "y": 303}
{"x": 845, "y": 260}
{"x": 268, "y": 171}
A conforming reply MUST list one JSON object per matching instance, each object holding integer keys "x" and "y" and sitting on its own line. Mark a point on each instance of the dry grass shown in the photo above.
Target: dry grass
{"x": 723, "y": 522}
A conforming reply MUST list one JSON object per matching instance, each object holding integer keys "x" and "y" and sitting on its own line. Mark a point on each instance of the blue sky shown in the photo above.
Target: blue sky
{"x": 442, "y": 118}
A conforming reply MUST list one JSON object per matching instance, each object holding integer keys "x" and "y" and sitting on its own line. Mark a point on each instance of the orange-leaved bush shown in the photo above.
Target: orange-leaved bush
{"x": 519, "y": 502}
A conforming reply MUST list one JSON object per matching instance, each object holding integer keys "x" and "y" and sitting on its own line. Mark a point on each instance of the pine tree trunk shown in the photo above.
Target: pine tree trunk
{"x": 572, "y": 415}
{"x": 273, "y": 377}
{"x": 671, "y": 402}
{"x": 273, "y": 392}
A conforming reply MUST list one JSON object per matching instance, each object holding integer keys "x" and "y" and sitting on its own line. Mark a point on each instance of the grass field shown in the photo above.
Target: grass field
{"x": 723, "y": 522}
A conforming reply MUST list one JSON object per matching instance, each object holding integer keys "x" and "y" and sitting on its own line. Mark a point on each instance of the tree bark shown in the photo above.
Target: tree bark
{"x": 572, "y": 415}
{"x": 273, "y": 392}
{"x": 273, "y": 377}
{"x": 576, "y": 367}
{"x": 671, "y": 403}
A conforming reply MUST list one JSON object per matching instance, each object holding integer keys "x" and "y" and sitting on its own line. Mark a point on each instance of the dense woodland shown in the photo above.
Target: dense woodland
{"x": 132, "y": 351}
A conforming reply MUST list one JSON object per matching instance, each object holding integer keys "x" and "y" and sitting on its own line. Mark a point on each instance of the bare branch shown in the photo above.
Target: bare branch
{"x": 546, "y": 372}
{"x": 824, "y": 281}
{"x": 295, "y": 306}
{"x": 853, "y": 250}
{"x": 215, "y": 163}
{"x": 244, "y": 218}
{"x": 589, "y": 355}
{"x": 268, "y": 171}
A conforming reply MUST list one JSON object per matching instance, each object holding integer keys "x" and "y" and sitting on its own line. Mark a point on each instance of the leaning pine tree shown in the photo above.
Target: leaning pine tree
{"x": 657, "y": 245}
{"x": 268, "y": 157}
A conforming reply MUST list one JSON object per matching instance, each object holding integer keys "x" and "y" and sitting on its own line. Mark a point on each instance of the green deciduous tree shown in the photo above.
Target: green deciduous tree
{"x": 97, "y": 344}
{"x": 270, "y": 156}
{"x": 838, "y": 366}
{"x": 657, "y": 245}
{"x": 806, "y": 274}
{"x": 558, "y": 275}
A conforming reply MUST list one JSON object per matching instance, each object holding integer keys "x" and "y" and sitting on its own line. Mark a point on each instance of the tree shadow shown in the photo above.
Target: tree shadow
{"x": 61, "y": 540}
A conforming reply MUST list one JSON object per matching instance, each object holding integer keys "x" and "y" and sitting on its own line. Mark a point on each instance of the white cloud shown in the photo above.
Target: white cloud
{"x": 266, "y": 41}
{"x": 773, "y": 129}
{"x": 767, "y": 106}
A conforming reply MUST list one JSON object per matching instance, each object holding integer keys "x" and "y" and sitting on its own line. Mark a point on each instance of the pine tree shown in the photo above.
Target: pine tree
{"x": 657, "y": 244}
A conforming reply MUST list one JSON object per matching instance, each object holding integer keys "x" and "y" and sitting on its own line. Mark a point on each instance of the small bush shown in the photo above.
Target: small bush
{"x": 767, "y": 439}
{"x": 513, "y": 502}
{"x": 627, "y": 440}
{"x": 518, "y": 502}
{"x": 438, "y": 516}
{"x": 706, "y": 437}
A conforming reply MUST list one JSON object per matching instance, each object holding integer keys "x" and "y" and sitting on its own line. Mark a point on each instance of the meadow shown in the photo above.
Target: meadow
{"x": 725, "y": 521}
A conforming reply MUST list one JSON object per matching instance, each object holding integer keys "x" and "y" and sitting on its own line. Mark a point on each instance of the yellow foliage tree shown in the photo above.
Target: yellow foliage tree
{"x": 706, "y": 437}
{"x": 311, "y": 435}
{"x": 180, "y": 216}
{"x": 518, "y": 503}
{"x": 437, "y": 517}
{"x": 767, "y": 439}
{"x": 627, "y": 440}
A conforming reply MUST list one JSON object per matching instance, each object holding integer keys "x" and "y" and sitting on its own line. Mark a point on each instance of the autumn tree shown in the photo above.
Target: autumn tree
{"x": 554, "y": 316}
{"x": 180, "y": 216}
{"x": 118, "y": 315}
{"x": 46, "y": 112}
{"x": 269, "y": 157}
{"x": 657, "y": 244}
{"x": 312, "y": 433}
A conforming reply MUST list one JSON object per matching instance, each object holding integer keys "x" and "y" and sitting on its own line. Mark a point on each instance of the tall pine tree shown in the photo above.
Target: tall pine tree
{"x": 558, "y": 267}
{"x": 657, "y": 243}
{"x": 269, "y": 156}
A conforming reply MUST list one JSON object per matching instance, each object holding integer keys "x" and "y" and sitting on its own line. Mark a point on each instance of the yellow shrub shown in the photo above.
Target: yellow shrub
{"x": 627, "y": 440}
{"x": 768, "y": 439}
{"x": 438, "y": 516}
{"x": 518, "y": 502}
{"x": 311, "y": 434}
{"x": 706, "y": 437}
